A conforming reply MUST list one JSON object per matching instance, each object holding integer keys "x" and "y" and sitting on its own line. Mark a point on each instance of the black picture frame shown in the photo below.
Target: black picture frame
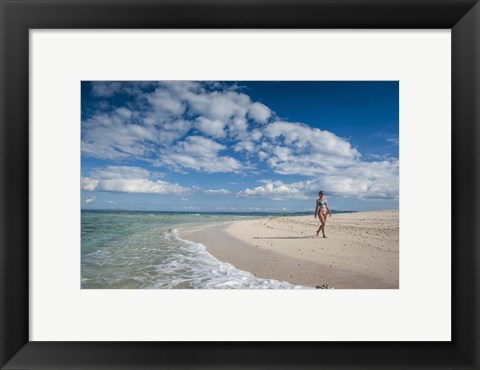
{"x": 19, "y": 16}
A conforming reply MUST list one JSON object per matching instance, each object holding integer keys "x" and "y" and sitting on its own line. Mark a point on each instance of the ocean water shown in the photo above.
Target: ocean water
{"x": 143, "y": 250}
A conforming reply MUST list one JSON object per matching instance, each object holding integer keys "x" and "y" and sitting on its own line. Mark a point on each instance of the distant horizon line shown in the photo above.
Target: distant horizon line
{"x": 219, "y": 211}
{"x": 195, "y": 211}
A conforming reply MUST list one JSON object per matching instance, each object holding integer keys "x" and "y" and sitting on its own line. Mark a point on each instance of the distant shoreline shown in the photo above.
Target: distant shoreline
{"x": 305, "y": 213}
{"x": 361, "y": 251}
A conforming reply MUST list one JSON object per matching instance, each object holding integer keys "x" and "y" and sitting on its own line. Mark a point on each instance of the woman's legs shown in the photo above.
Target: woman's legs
{"x": 323, "y": 220}
{"x": 319, "y": 218}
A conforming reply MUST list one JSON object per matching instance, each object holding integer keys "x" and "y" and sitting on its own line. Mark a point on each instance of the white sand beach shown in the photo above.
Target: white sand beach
{"x": 361, "y": 251}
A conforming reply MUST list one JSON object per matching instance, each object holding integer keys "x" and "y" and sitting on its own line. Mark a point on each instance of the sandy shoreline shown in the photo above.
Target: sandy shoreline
{"x": 361, "y": 250}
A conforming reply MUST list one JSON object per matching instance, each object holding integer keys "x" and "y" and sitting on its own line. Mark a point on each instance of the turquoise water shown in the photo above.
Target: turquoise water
{"x": 142, "y": 250}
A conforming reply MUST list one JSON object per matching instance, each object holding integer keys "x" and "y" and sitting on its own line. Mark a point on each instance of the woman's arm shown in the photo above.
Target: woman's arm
{"x": 328, "y": 209}
{"x": 316, "y": 208}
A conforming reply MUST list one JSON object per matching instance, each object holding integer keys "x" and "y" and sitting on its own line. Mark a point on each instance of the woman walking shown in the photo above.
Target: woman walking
{"x": 321, "y": 210}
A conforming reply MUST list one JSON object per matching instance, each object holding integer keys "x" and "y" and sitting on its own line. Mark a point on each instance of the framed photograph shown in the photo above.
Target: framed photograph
{"x": 175, "y": 172}
{"x": 254, "y": 184}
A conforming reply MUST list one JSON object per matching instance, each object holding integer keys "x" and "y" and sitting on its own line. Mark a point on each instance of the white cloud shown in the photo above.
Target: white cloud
{"x": 200, "y": 154}
{"x": 115, "y": 136}
{"x": 139, "y": 186}
{"x": 106, "y": 89}
{"x": 217, "y": 191}
{"x": 297, "y": 149}
{"x": 256, "y": 135}
{"x": 201, "y": 146}
{"x": 89, "y": 184}
{"x": 89, "y": 200}
{"x": 246, "y": 145}
{"x": 124, "y": 113}
{"x": 219, "y": 108}
{"x": 238, "y": 128}
{"x": 163, "y": 101}
{"x": 262, "y": 155}
{"x": 214, "y": 128}
{"x": 259, "y": 112}
{"x": 171, "y": 131}
{"x": 393, "y": 139}
{"x": 273, "y": 190}
{"x": 121, "y": 172}
{"x": 218, "y": 105}
{"x": 301, "y": 137}
{"x": 129, "y": 180}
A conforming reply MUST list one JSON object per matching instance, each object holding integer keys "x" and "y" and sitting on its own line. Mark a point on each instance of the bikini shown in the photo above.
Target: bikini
{"x": 321, "y": 204}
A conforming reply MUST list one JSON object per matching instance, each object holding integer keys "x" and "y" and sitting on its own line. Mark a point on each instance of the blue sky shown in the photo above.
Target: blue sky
{"x": 240, "y": 146}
